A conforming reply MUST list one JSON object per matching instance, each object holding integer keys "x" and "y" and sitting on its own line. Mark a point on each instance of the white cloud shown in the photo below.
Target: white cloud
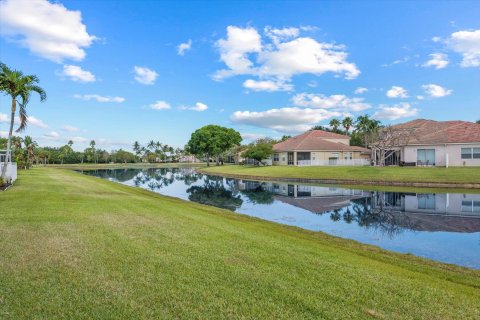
{"x": 437, "y": 60}
{"x": 4, "y": 117}
{"x": 286, "y": 120}
{"x": 52, "y": 135}
{"x": 466, "y": 43}
{"x": 420, "y": 97}
{"x": 267, "y": 85}
{"x": 284, "y": 56}
{"x": 401, "y": 110}
{"x": 79, "y": 139}
{"x": 36, "y": 122}
{"x": 47, "y": 29}
{"x": 31, "y": 120}
{"x": 99, "y": 98}
{"x": 436, "y": 39}
{"x": 199, "y": 107}
{"x": 397, "y": 92}
{"x": 252, "y": 136}
{"x": 336, "y": 101}
{"x": 360, "y": 90}
{"x": 182, "y": 47}
{"x": 3, "y": 134}
{"x": 145, "y": 75}
{"x": 69, "y": 128}
{"x": 76, "y": 73}
{"x": 436, "y": 91}
{"x": 160, "y": 105}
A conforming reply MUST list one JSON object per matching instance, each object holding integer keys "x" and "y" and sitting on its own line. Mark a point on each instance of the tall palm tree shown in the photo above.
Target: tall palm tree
{"x": 30, "y": 147}
{"x": 19, "y": 87}
{"x": 151, "y": 145}
{"x": 334, "y": 123}
{"x": 347, "y": 124}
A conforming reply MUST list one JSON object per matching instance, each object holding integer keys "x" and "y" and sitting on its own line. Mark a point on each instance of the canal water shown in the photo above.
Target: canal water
{"x": 439, "y": 226}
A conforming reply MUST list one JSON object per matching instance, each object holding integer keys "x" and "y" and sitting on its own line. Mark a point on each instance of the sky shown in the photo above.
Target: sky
{"x": 124, "y": 71}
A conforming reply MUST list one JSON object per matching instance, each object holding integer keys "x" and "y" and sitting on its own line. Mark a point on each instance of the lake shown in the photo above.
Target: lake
{"x": 439, "y": 226}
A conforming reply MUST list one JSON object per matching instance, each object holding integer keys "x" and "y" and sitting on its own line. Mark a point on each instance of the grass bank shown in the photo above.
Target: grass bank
{"x": 414, "y": 176}
{"x": 75, "y": 246}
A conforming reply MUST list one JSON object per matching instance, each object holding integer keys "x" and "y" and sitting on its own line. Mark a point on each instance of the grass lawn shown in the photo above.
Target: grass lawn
{"x": 74, "y": 246}
{"x": 401, "y": 174}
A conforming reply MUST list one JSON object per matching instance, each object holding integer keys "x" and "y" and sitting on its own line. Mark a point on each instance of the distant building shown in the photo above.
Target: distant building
{"x": 319, "y": 148}
{"x": 437, "y": 143}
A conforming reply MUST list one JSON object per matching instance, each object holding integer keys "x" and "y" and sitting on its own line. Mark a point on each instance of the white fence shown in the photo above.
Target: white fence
{"x": 11, "y": 171}
{"x": 333, "y": 162}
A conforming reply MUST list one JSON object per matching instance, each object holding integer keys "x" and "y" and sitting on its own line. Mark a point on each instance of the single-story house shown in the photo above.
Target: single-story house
{"x": 319, "y": 148}
{"x": 437, "y": 143}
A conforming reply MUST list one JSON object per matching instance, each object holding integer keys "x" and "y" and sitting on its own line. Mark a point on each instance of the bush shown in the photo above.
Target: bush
{"x": 1, "y": 182}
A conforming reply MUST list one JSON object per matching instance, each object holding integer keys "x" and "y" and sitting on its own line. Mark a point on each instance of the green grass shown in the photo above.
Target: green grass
{"x": 391, "y": 174}
{"x": 75, "y": 246}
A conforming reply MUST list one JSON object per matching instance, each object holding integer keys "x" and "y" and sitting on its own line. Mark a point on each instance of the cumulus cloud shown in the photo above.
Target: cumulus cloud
{"x": 285, "y": 120}
{"x": 360, "y": 90}
{"x": 398, "y": 111}
{"x": 199, "y": 107}
{"x": 4, "y": 117}
{"x": 76, "y": 73}
{"x": 36, "y": 122}
{"x": 79, "y": 139}
{"x": 267, "y": 85}
{"x": 252, "y": 136}
{"x": 47, "y": 29}
{"x": 285, "y": 55}
{"x": 145, "y": 75}
{"x": 437, "y": 60}
{"x": 397, "y": 92}
{"x": 466, "y": 43}
{"x": 337, "y": 101}
{"x": 99, "y": 98}
{"x": 52, "y": 135}
{"x": 3, "y": 134}
{"x": 160, "y": 105}
{"x": 69, "y": 128}
{"x": 436, "y": 91}
{"x": 183, "y": 47}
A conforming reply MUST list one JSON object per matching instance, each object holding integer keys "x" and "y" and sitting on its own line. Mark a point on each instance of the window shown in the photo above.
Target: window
{"x": 426, "y": 156}
{"x": 275, "y": 157}
{"x": 426, "y": 201}
{"x": 466, "y": 153}
{"x": 476, "y": 153}
{"x": 471, "y": 206}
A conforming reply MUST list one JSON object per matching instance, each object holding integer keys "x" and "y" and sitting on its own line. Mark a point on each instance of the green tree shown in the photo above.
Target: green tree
{"x": 366, "y": 128}
{"x": 259, "y": 151}
{"x": 334, "y": 123}
{"x": 19, "y": 87}
{"x": 212, "y": 140}
{"x": 347, "y": 124}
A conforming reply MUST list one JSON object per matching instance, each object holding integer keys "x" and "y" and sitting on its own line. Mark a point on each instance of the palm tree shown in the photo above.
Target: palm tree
{"x": 136, "y": 148}
{"x": 334, "y": 123}
{"x": 30, "y": 146}
{"x": 19, "y": 87}
{"x": 366, "y": 127}
{"x": 70, "y": 144}
{"x": 92, "y": 149}
{"x": 151, "y": 145}
{"x": 347, "y": 124}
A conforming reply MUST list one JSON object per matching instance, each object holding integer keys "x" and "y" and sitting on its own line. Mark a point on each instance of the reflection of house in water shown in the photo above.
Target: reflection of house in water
{"x": 385, "y": 210}
{"x": 451, "y": 204}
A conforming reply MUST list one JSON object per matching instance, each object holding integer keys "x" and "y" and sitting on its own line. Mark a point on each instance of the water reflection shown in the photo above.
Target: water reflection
{"x": 428, "y": 224}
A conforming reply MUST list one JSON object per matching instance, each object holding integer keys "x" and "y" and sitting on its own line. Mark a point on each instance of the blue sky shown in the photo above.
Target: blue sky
{"x": 116, "y": 71}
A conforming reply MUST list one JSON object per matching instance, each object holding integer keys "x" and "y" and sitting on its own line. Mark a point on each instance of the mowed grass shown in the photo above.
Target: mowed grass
{"x": 78, "y": 247}
{"x": 400, "y": 174}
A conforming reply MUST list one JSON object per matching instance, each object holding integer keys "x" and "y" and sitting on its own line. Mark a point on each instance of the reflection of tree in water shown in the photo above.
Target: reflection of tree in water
{"x": 258, "y": 195}
{"x": 120, "y": 175}
{"x": 155, "y": 179}
{"x": 214, "y": 193}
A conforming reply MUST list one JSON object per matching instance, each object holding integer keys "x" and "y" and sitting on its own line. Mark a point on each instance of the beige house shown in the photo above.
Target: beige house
{"x": 437, "y": 143}
{"x": 319, "y": 148}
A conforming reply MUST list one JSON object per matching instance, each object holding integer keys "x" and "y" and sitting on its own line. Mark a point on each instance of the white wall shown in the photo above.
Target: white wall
{"x": 11, "y": 171}
{"x": 453, "y": 151}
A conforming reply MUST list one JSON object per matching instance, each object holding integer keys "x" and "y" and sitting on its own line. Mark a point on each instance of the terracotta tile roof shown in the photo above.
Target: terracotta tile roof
{"x": 316, "y": 140}
{"x": 434, "y": 132}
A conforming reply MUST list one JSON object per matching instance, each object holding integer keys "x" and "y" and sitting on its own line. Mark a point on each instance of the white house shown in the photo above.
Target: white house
{"x": 437, "y": 143}
{"x": 11, "y": 173}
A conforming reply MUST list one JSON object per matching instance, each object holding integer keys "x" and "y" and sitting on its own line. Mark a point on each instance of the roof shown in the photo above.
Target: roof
{"x": 435, "y": 132}
{"x": 316, "y": 140}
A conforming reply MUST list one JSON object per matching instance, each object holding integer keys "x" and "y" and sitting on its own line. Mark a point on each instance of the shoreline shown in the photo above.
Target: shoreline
{"x": 444, "y": 185}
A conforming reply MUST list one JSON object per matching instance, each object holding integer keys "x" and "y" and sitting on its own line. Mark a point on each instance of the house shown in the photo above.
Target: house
{"x": 11, "y": 172}
{"x": 319, "y": 148}
{"x": 436, "y": 143}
